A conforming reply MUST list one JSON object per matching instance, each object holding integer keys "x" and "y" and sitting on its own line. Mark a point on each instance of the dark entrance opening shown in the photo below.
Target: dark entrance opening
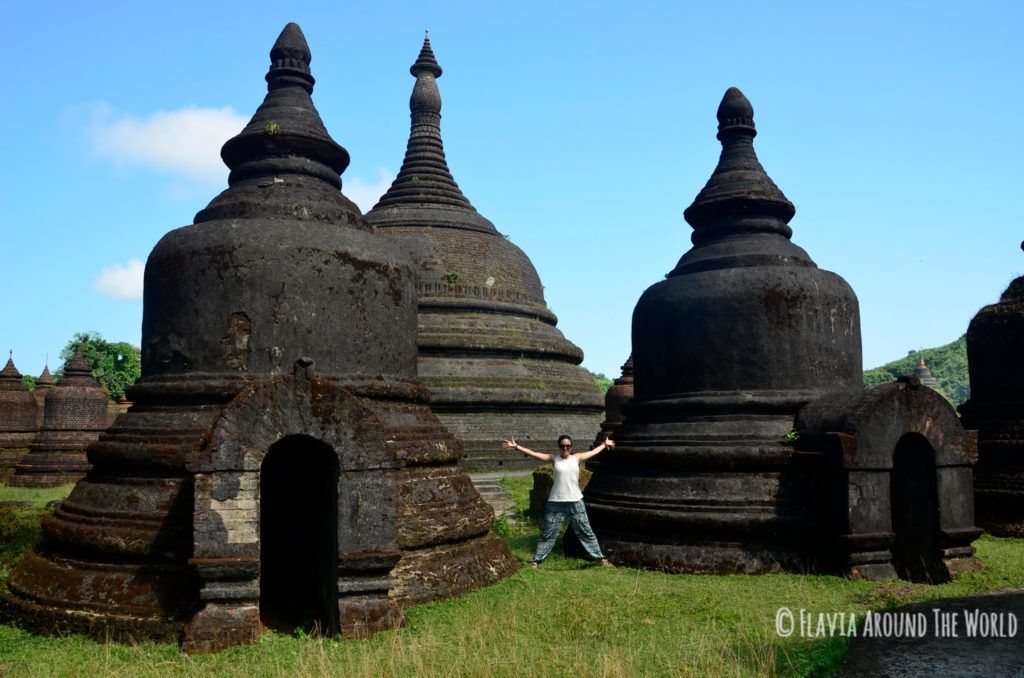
{"x": 299, "y": 536}
{"x": 915, "y": 512}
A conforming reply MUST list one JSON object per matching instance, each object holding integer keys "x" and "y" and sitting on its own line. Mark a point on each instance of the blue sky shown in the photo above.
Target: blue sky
{"x": 582, "y": 130}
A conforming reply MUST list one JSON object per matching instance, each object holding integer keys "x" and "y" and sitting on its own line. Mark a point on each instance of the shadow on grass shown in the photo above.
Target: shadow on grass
{"x": 20, "y": 530}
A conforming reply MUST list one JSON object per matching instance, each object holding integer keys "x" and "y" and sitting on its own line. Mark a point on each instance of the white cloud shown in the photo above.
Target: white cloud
{"x": 121, "y": 281}
{"x": 366, "y": 195}
{"x": 185, "y": 142}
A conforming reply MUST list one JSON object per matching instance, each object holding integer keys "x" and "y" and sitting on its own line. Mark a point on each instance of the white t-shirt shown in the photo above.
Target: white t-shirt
{"x": 567, "y": 479}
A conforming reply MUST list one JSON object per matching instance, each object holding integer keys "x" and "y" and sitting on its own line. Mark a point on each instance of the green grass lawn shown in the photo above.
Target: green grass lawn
{"x": 37, "y": 496}
{"x": 569, "y": 618}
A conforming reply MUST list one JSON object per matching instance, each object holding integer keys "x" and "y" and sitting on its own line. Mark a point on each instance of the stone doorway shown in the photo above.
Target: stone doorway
{"x": 299, "y": 536}
{"x": 915, "y": 512}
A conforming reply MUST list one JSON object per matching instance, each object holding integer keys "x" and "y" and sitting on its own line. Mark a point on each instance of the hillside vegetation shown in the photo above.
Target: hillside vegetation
{"x": 948, "y": 364}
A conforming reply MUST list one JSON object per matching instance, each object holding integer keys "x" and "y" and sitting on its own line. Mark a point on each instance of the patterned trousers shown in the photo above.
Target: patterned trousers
{"x": 555, "y": 513}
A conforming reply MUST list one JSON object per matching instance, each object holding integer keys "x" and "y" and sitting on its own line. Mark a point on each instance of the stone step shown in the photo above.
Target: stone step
{"x": 493, "y": 489}
{"x": 490, "y": 489}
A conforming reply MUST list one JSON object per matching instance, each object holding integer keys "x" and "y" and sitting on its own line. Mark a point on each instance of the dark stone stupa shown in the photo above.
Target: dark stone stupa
{"x": 19, "y": 421}
{"x": 620, "y": 393}
{"x": 279, "y": 465}
{"x": 996, "y": 410}
{"x": 75, "y": 412}
{"x": 742, "y": 336}
{"x": 44, "y": 383}
{"x": 489, "y": 350}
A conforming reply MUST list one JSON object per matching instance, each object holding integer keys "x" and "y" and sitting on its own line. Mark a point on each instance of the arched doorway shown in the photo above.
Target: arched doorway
{"x": 915, "y": 511}
{"x": 299, "y": 536}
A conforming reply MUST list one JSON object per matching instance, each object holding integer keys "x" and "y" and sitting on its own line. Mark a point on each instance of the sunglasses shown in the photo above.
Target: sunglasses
{"x": 564, "y": 446}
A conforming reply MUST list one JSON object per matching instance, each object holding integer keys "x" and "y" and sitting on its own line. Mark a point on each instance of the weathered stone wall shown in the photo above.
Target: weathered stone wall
{"x": 866, "y": 439}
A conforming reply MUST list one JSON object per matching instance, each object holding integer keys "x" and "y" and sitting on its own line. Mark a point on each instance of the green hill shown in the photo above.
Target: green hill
{"x": 948, "y": 364}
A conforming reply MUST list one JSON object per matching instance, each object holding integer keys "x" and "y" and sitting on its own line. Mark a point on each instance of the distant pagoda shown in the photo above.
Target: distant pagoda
{"x": 18, "y": 417}
{"x": 489, "y": 351}
{"x": 75, "y": 412}
{"x": 925, "y": 375}
{"x": 44, "y": 383}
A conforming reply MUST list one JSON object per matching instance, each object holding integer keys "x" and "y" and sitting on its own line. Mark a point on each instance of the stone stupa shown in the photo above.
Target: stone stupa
{"x": 620, "y": 393}
{"x": 18, "y": 417}
{"x": 749, "y": 440}
{"x": 996, "y": 410}
{"x": 925, "y": 375}
{"x": 44, "y": 383}
{"x": 279, "y": 465}
{"x": 489, "y": 351}
{"x": 75, "y": 412}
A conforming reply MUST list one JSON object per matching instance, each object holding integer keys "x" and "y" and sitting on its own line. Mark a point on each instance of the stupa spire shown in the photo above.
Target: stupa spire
{"x": 425, "y": 62}
{"x": 739, "y": 196}
{"x": 424, "y": 178}
{"x": 45, "y": 379}
{"x": 289, "y": 61}
{"x": 10, "y": 372}
{"x": 479, "y": 300}
{"x": 77, "y": 371}
{"x": 285, "y": 156}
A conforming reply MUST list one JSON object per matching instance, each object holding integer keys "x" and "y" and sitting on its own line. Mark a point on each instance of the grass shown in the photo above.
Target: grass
{"x": 37, "y": 496}
{"x": 568, "y": 618}
{"x": 21, "y": 510}
{"x": 518, "y": 488}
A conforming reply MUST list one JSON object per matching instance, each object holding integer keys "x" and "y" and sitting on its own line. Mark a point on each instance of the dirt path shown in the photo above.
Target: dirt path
{"x": 940, "y": 653}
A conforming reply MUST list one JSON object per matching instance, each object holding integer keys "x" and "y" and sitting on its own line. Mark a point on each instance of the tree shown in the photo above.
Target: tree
{"x": 604, "y": 382}
{"x": 115, "y": 365}
{"x": 947, "y": 363}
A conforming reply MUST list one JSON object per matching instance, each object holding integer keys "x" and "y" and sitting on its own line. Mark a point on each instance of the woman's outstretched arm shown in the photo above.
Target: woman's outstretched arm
{"x": 583, "y": 456}
{"x": 511, "y": 442}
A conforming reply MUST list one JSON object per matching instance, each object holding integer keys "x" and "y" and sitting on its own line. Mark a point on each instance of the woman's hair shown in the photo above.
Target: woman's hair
{"x": 564, "y": 437}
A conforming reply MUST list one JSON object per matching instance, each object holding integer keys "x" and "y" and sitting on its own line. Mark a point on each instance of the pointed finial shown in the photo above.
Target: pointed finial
{"x": 284, "y": 142}
{"x": 45, "y": 379}
{"x": 425, "y": 62}
{"x": 77, "y": 362}
{"x": 739, "y": 196}
{"x": 77, "y": 371}
{"x": 289, "y": 61}
{"x": 735, "y": 113}
{"x": 10, "y": 372}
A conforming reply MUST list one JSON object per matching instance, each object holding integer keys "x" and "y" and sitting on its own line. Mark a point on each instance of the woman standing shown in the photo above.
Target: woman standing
{"x": 565, "y": 498}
